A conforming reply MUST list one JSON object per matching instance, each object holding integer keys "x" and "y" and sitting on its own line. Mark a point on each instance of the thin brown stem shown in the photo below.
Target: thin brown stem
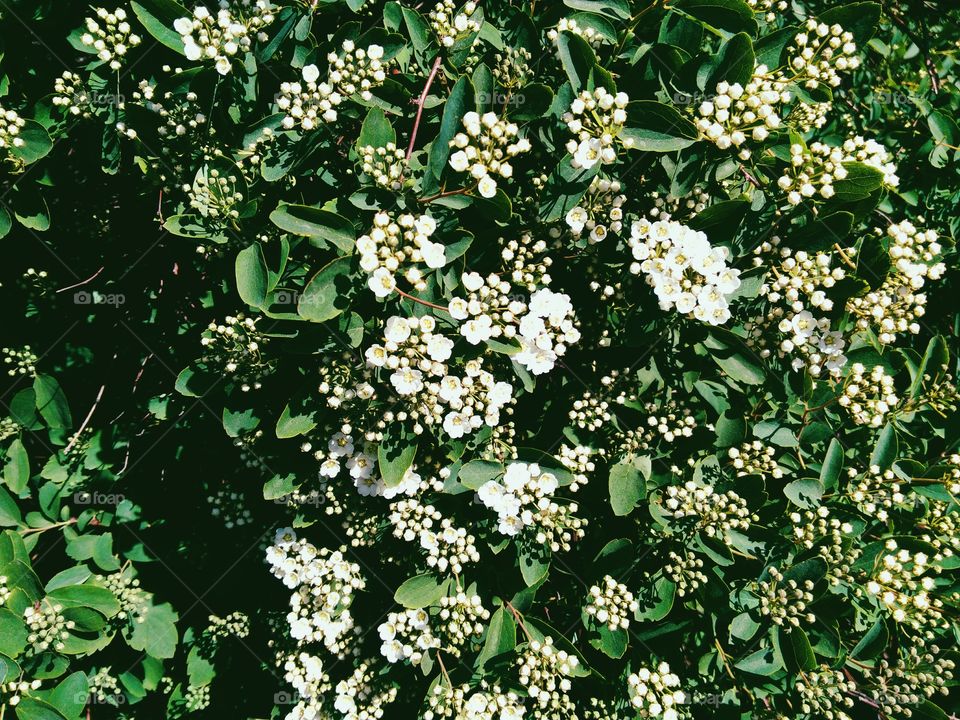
{"x": 420, "y": 101}
{"x": 420, "y": 300}
{"x": 82, "y": 282}
{"x": 519, "y": 620}
{"x": 446, "y": 193}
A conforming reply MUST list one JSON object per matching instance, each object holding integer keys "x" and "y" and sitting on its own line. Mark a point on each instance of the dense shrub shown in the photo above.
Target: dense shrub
{"x": 492, "y": 360}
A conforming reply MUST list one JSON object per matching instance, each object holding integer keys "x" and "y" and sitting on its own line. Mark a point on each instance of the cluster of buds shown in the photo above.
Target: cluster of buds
{"x": 460, "y": 620}
{"x": 785, "y": 602}
{"x": 526, "y": 262}
{"x": 545, "y": 672}
{"x": 876, "y": 492}
{"x": 826, "y": 692}
{"x": 600, "y": 211}
{"x": 20, "y": 362}
{"x": 902, "y": 585}
{"x": 611, "y": 604}
{"x": 447, "y": 547}
{"x": 133, "y": 599}
{"x": 46, "y": 627}
{"x": 233, "y": 347}
{"x": 669, "y": 420}
{"x": 710, "y": 512}
{"x": 737, "y": 112}
{"x": 216, "y": 195}
{"x": 355, "y": 71}
{"x": 222, "y": 36}
{"x": 685, "y": 572}
{"x": 577, "y": 461}
{"x": 451, "y": 25}
{"x": 570, "y": 25}
{"x": 755, "y": 458}
{"x": 656, "y": 693}
{"x": 395, "y": 244}
{"x": 821, "y": 53}
{"x": 110, "y": 36}
{"x": 596, "y": 119}
{"x": 511, "y": 66}
{"x": 10, "y": 125}
{"x": 868, "y": 397}
{"x": 386, "y": 165}
{"x": 897, "y": 305}
{"x": 70, "y": 93}
{"x": 485, "y": 148}
{"x": 407, "y": 636}
{"x": 363, "y": 696}
{"x": 457, "y": 703}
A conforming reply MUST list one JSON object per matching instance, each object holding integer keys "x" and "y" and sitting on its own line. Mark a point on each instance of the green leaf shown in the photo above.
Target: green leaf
{"x": 794, "y": 648}
{"x": 70, "y": 696}
{"x": 628, "y": 484}
{"x": 91, "y": 596}
{"x": 252, "y": 276}
{"x": 721, "y": 221}
{"x": 477, "y": 473}
{"x": 612, "y": 643}
{"x": 873, "y": 643}
{"x": 376, "y": 130}
{"x": 421, "y": 591}
{"x": 313, "y": 222}
{"x": 294, "y": 421}
{"x": 619, "y": 9}
{"x": 762, "y": 662}
{"x": 325, "y": 296}
{"x": 734, "y": 63}
{"x": 501, "y": 637}
{"x": 730, "y": 15}
{"x": 30, "y": 708}
{"x": 577, "y": 58}
{"x": 564, "y": 188}
{"x": 832, "y": 466}
{"x": 656, "y": 127}
{"x": 805, "y": 493}
{"x": 51, "y": 402}
{"x": 457, "y": 105}
{"x": 534, "y": 564}
{"x": 9, "y": 512}
{"x": 743, "y": 627}
{"x": 731, "y": 353}
{"x": 16, "y": 471}
{"x": 13, "y": 633}
{"x": 861, "y": 180}
{"x": 395, "y": 455}
{"x": 158, "y": 16}
{"x": 656, "y": 605}
{"x": 36, "y": 142}
{"x": 156, "y": 632}
{"x": 886, "y": 448}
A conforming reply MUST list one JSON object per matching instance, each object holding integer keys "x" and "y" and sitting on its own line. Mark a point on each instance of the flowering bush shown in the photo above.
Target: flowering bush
{"x": 483, "y": 360}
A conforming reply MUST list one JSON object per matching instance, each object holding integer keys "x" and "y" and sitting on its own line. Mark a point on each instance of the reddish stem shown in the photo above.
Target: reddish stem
{"x": 420, "y": 101}
{"x": 421, "y": 301}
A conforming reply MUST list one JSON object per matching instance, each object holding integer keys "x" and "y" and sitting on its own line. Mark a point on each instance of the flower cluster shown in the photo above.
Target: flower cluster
{"x": 821, "y": 53}
{"x": 755, "y": 458}
{"x": 324, "y": 584}
{"x": 451, "y": 25}
{"x": 796, "y": 286}
{"x": 132, "y": 598}
{"x": 611, "y": 604}
{"x": 407, "y": 636}
{"x": 458, "y": 703}
{"x": 355, "y": 71}
{"x": 596, "y": 120}
{"x": 19, "y": 362}
{"x": 711, "y": 512}
{"x": 897, "y": 305}
{"x": 600, "y": 211}
{"x": 362, "y": 696}
{"x": 570, "y": 25}
{"x": 112, "y": 39}
{"x": 686, "y": 572}
{"x": 656, "y": 693}
{"x": 485, "y": 149}
{"x": 460, "y": 620}
{"x": 544, "y": 325}
{"x": 785, "y": 601}
{"x": 869, "y": 397}
{"x": 223, "y": 36}
{"x": 825, "y": 692}
{"x": 876, "y": 492}
{"x": 386, "y": 165}
{"x": 737, "y": 111}
{"x": 306, "y": 674}
{"x": 47, "y": 628}
{"x": 902, "y": 584}
{"x": 685, "y": 271}
{"x": 447, "y": 547}
{"x": 71, "y": 94}
{"x": 399, "y": 244}
{"x": 417, "y": 354}
{"x": 234, "y": 348}
{"x": 545, "y": 672}
{"x": 10, "y": 125}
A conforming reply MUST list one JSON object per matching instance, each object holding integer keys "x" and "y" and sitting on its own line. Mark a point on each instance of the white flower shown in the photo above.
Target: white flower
{"x": 576, "y": 219}
{"x": 397, "y": 329}
{"x": 311, "y": 73}
{"x": 459, "y": 161}
{"x": 382, "y": 282}
{"x": 407, "y": 381}
{"x": 487, "y": 187}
